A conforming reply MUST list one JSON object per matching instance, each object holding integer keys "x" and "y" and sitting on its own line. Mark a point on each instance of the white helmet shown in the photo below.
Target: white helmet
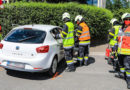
{"x": 78, "y": 18}
{"x": 125, "y": 15}
{"x": 113, "y": 20}
{"x": 65, "y": 15}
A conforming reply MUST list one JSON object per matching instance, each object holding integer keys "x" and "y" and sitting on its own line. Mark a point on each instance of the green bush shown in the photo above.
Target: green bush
{"x": 120, "y": 12}
{"x": 44, "y": 13}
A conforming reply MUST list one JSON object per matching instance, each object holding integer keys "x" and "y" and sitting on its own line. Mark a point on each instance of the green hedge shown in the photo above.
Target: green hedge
{"x": 44, "y": 13}
{"x": 120, "y": 12}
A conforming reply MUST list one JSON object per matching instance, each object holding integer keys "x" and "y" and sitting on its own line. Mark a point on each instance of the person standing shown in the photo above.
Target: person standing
{"x": 67, "y": 34}
{"x": 83, "y": 35}
{"x": 113, "y": 36}
{"x": 124, "y": 48}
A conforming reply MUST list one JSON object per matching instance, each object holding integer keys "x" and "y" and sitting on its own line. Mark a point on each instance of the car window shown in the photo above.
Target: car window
{"x": 26, "y": 36}
{"x": 55, "y": 32}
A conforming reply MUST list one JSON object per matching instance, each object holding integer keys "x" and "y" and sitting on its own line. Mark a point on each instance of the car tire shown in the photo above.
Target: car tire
{"x": 53, "y": 67}
{"x": 9, "y": 71}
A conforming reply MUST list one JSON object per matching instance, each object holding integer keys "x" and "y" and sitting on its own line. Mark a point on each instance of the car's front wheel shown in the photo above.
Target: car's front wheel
{"x": 53, "y": 67}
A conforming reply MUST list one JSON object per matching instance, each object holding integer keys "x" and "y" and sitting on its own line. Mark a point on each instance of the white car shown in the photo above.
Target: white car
{"x": 32, "y": 48}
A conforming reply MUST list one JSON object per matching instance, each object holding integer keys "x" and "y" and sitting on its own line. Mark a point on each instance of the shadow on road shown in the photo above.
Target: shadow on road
{"x": 91, "y": 60}
{"x": 37, "y": 76}
{"x": 43, "y": 76}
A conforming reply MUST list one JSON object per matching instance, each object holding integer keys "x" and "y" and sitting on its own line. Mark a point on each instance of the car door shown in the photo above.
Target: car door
{"x": 59, "y": 41}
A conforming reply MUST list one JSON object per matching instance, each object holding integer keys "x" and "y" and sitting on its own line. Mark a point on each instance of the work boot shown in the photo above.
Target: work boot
{"x": 119, "y": 75}
{"x": 128, "y": 85}
{"x": 128, "y": 82}
{"x": 79, "y": 63}
{"x": 116, "y": 65}
{"x": 70, "y": 68}
{"x": 85, "y": 62}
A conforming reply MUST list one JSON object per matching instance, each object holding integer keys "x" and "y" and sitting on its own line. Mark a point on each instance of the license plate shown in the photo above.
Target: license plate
{"x": 15, "y": 64}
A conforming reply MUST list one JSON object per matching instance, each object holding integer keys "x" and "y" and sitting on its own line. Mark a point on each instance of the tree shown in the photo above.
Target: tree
{"x": 109, "y": 5}
{"x": 125, "y": 3}
{"x": 81, "y": 1}
{"x": 116, "y": 4}
{"x": 57, "y": 1}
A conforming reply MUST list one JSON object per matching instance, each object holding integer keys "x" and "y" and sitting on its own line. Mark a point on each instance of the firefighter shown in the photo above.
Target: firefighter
{"x": 83, "y": 35}
{"x": 124, "y": 48}
{"x": 113, "y": 35}
{"x": 68, "y": 41}
{"x": 126, "y": 20}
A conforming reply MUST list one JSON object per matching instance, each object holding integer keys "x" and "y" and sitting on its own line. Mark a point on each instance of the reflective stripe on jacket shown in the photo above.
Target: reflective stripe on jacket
{"x": 68, "y": 40}
{"x": 113, "y": 41}
{"x": 124, "y": 42}
{"x": 84, "y": 38}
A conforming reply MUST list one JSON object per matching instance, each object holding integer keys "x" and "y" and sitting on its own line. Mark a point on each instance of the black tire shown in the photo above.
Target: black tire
{"x": 53, "y": 67}
{"x": 9, "y": 71}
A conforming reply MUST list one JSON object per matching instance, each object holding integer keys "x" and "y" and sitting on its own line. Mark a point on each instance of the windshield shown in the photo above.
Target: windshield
{"x": 26, "y": 36}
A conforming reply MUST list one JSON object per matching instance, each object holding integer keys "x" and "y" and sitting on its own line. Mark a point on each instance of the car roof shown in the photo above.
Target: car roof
{"x": 46, "y": 28}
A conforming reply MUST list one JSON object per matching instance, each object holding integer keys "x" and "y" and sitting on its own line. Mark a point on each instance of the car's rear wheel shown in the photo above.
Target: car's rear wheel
{"x": 9, "y": 71}
{"x": 53, "y": 68}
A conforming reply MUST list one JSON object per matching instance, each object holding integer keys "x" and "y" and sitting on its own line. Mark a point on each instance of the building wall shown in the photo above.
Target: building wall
{"x": 98, "y": 3}
{"x": 101, "y": 3}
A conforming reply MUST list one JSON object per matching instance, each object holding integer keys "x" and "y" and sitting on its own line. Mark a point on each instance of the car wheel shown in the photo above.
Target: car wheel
{"x": 53, "y": 68}
{"x": 9, "y": 71}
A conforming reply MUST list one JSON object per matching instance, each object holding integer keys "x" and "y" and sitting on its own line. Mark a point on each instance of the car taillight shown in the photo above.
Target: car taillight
{"x": 37, "y": 68}
{"x": 42, "y": 49}
{"x": 1, "y": 45}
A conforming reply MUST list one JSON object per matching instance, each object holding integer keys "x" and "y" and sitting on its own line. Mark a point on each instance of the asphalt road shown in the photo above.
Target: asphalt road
{"x": 95, "y": 76}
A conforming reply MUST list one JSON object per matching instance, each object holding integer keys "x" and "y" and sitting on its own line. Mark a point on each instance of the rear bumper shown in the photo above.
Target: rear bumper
{"x": 41, "y": 63}
{"x": 24, "y": 70}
